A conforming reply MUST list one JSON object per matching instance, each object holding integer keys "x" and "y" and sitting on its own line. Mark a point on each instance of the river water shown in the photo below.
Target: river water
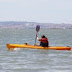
{"x": 35, "y": 60}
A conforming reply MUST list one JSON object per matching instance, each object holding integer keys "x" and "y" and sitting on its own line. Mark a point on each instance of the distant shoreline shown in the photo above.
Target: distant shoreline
{"x": 22, "y": 24}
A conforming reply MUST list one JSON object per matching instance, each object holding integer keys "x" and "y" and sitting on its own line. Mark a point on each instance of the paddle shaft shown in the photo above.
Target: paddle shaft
{"x": 36, "y": 37}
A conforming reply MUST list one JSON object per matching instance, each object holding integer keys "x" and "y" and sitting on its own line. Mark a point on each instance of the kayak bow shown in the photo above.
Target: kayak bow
{"x": 12, "y": 46}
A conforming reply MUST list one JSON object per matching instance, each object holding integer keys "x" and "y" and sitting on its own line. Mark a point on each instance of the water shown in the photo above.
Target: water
{"x": 35, "y": 60}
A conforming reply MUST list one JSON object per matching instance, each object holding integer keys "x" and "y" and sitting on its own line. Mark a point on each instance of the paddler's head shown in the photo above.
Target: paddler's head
{"x": 43, "y": 36}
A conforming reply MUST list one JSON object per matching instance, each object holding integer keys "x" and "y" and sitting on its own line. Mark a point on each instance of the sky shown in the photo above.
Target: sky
{"x": 42, "y": 11}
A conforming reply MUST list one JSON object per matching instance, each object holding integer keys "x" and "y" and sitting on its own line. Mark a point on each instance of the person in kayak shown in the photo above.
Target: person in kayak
{"x": 43, "y": 41}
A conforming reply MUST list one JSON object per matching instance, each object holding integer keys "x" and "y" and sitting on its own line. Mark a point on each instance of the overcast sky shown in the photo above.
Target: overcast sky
{"x": 42, "y": 11}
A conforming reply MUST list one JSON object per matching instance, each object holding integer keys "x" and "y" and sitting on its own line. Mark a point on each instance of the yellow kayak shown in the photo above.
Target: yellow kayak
{"x": 12, "y": 46}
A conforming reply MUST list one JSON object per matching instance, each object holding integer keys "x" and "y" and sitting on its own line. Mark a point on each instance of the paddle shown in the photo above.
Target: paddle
{"x": 37, "y": 30}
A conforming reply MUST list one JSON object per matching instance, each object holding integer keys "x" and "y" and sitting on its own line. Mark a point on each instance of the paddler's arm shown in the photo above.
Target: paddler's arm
{"x": 38, "y": 38}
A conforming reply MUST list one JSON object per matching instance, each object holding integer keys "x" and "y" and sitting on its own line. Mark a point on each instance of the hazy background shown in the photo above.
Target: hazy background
{"x": 43, "y": 11}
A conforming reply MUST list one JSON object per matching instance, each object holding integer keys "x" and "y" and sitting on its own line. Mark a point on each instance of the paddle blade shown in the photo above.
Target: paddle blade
{"x": 37, "y": 28}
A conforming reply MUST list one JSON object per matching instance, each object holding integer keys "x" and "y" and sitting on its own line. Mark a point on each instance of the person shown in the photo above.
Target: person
{"x": 43, "y": 41}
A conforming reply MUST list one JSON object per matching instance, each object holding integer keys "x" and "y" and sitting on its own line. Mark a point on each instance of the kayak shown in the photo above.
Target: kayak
{"x": 12, "y": 46}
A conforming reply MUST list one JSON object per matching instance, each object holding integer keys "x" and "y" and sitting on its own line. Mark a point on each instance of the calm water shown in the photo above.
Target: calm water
{"x": 34, "y": 60}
